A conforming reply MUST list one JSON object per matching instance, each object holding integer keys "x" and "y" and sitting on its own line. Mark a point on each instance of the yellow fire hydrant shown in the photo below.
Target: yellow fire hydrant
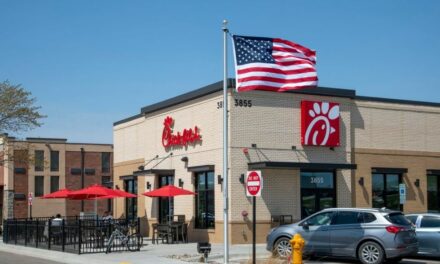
{"x": 297, "y": 243}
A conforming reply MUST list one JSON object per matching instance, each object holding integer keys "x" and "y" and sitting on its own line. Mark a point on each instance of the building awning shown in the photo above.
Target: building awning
{"x": 299, "y": 165}
{"x": 433, "y": 172}
{"x": 389, "y": 170}
{"x": 153, "y": 171}
{"x": 201, "y": 168}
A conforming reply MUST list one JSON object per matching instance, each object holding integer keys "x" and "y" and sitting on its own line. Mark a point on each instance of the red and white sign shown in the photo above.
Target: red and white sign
{"x": 320, "y": 123}
{"x": 187, "y": 136}
{"x": 254, "y": 183}
{"x": 30, "y": 197}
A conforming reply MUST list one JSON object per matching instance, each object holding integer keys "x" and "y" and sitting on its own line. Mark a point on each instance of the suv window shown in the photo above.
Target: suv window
{"x": 430, "y": 221}
{"x": 412, "y": 218}
{"x": 321, "y": 219}
{"x": 397, "y": 219}
{"x": 367, "y": 218}
{"x": 345, "y": 218}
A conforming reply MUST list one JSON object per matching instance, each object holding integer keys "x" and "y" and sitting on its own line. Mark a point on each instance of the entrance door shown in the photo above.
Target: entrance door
{"x": 166, "y": 204}
{"x": 317, "y": 191}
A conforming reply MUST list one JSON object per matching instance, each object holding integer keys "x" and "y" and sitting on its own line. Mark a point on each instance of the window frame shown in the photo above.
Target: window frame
{"x": 104, "y": 168}
{"x": 205, "y": 222}
{"x": 437, "y": 202}
{"x": 38, "y": 194}
{"x": 384, "y": 192}
{"x": 51, "y": 183}
{"x": 52, "y": 167}
{"x": 38, "y": 165}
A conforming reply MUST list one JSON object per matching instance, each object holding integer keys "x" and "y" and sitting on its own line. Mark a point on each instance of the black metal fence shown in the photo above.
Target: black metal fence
{"x": 70, "y": 234}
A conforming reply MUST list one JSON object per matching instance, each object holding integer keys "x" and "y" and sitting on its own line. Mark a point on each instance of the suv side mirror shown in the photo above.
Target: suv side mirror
{"x": 305, "y": 226}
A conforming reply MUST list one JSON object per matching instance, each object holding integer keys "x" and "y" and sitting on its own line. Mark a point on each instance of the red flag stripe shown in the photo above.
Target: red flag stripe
{"x": 273, "y": 70}
{"x": 294, "y": 45}
{"x": 290, "y": 50}
{"x": 272, "y": 88}
{"x": 277, "y": 80}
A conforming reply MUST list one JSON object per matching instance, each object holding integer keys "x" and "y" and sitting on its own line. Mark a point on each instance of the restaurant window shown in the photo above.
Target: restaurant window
{"x": 433, "y": 194}
{"x": 39, "y": 186}
{"x": 54, "y": 183}
{"x": 105, "y": 161}
{"x": 54, "y": 160}
{"x": 131, "y": 203}
{"x": 166, "y": 204}
{"x": 386, "y": 190}
{"x": 39, "y": 160}
{"x": 204, "y": 200}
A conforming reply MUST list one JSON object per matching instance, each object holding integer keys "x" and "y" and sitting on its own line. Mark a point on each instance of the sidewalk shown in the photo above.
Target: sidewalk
{"x": 162, "y": 253}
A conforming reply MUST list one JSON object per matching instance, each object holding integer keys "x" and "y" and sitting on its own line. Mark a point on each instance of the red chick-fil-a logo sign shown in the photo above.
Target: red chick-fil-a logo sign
{"x": 183, "y": 138}
{"x": 320, "y": 123}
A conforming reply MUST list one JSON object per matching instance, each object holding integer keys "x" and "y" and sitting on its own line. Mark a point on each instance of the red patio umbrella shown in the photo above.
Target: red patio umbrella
{"x": 63, "y": 193}
{"x": 120, "y": 193}
{"x": 168, "y": 191}
{"x": 97, "y": 191}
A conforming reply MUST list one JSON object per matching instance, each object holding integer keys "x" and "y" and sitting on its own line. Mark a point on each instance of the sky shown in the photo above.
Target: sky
{"x": 92, "y": 63}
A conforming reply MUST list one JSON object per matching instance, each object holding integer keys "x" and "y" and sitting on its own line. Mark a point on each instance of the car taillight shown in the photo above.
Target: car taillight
{"x": 394, "y": 229}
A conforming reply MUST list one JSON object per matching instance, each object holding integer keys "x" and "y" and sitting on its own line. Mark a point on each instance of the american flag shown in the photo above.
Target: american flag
{"x": 273, "y": 64}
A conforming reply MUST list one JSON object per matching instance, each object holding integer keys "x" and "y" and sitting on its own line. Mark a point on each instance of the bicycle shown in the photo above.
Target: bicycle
{"x": 130, "y": 241}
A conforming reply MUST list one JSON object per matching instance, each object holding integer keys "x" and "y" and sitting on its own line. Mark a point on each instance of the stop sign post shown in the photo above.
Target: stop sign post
{"x": 254, "y": 186}
{"x": 30, "y": 198}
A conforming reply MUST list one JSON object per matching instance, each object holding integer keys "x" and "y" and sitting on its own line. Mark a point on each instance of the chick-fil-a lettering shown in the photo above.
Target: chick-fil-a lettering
{"x": 181, "y": 138}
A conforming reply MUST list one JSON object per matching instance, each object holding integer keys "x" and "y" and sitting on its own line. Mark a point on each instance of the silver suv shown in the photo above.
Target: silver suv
{"x": 370, "y": 235}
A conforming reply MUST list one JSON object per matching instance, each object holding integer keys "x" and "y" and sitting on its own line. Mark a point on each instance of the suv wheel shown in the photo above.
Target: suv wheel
{"x": 370, "y": 253}
{"x": 282, "y": 248}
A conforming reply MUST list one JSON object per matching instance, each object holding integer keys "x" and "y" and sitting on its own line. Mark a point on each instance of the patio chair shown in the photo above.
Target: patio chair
{"x": 162, "y": 231}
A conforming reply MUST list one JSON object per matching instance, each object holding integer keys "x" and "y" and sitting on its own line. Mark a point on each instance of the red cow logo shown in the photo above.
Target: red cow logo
{"x": 320, "y": 123}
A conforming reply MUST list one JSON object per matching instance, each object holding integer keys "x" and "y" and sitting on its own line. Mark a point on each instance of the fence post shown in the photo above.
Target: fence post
{"x": 25, "y": 232}
{"x": 15, "y": 232}
{"x": 138, "y": 232}
{"x": 37, "y": 236}
{"x": 5, "y": 231}
{"x": 63, "y": 237}
{"x": 80, "y": 236}
{"x": 49, "y": 225}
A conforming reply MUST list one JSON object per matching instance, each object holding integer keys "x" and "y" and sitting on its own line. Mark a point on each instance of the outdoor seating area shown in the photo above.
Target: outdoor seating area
{"x": 70, "y": 234}
{"x": 172, "y": 231}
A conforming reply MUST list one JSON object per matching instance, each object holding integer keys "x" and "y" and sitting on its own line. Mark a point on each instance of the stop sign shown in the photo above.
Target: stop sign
{"x": 254, "y": 183}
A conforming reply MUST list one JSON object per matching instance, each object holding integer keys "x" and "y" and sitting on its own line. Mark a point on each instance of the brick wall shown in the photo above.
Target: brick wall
{"x": 21, "y": 186}
{"x": 92, "y": 160}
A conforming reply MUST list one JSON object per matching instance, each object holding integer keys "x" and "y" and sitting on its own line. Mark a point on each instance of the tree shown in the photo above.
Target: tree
{"x": 17, "y": 109}
{"x": 18, "y": 113}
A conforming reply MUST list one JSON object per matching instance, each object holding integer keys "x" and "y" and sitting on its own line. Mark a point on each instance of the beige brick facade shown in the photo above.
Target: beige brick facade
{"x": 372, "y": 134}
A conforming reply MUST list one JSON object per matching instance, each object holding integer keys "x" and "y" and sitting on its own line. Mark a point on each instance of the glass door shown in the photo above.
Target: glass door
{"x": 317, "y": 191}
{"x": 166, "y": 204}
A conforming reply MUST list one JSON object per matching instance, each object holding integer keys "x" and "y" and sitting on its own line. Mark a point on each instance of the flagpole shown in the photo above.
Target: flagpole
{"x": 225, "y": 144}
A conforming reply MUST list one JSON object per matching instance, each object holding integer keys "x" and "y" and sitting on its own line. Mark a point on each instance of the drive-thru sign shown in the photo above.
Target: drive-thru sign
{"x": 254, "y": 183}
